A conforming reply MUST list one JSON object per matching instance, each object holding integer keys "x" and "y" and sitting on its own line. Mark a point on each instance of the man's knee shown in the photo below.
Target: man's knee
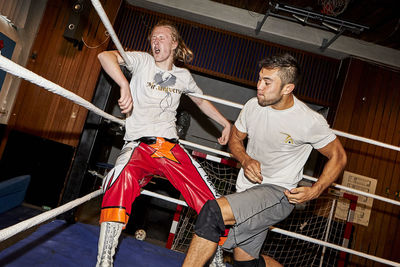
{"x": 210, "y": 224}
{"x": 251, "y": 263}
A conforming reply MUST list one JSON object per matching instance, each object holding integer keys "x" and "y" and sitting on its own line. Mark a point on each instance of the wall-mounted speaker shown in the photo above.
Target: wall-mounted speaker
{"x": 77, "y": 22}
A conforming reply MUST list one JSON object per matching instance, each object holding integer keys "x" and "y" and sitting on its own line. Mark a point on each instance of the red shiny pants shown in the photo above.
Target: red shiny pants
{"x": 136, "y": 165}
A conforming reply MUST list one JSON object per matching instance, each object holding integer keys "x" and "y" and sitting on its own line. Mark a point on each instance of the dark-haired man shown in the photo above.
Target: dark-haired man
{"x": 281, "y": 132}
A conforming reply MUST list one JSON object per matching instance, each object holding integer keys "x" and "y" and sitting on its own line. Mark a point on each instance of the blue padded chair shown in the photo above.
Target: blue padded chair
{"x": 12, "y": 192}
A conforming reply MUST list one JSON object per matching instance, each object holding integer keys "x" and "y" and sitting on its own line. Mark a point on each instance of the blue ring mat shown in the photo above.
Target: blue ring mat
{"x": 58, "y": 243}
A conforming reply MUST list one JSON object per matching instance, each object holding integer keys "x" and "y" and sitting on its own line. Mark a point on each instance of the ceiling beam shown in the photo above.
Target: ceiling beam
{"x": 274, "y": 30}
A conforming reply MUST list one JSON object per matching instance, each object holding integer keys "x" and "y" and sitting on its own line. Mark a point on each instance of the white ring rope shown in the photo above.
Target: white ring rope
{"x": 337, "y": 132}
{"x": 218, "y": 100}
{"x": 164, "y": 197}
{"x": 107, "y": 24}
{"x": 12, "y": 230}
{"x": 13, "y": 68}
{"x": 17, "y": 70}
{"x": 334, "y": 246}
{"x": 359, "y": 192}
{"x": 349, "y": 189}
{"x": 24, "y": 225}
{"x": 366, "y": 140}
{"x": 218, "y": 152}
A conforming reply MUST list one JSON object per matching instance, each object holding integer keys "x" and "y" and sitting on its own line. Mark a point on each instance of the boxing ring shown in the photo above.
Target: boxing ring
{"x": 51, "y": 232}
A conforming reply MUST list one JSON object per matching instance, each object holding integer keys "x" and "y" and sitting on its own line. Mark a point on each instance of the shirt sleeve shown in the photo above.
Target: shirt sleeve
{"x": 138, "y": 60}
{"x": 192, "y": 85}
{"x": 241, "y": 121}
{"x": 320, "y": 134}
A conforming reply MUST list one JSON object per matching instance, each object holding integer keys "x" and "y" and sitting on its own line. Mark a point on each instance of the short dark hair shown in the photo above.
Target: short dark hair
{"x": 289, "y": 69}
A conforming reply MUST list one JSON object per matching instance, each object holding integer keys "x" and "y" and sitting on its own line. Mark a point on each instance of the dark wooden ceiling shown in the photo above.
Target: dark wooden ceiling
{"x": 381, "y": 16}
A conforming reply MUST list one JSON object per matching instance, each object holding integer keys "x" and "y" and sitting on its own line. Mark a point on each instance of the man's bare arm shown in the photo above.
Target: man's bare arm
{"x": 212, "y": 112}
{"x": 251, "y": 167}
{"x": 337, "y": 160}
{"x": 110, "y": 61}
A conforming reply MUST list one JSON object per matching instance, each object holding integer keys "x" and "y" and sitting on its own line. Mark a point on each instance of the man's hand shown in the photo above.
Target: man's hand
{"x": 336, "y": 162}
{"x": 223, "y": 140}
{"x": 125, "y": 102}
{"x": 302, "y": 194}
{"x": 252, "y": 170}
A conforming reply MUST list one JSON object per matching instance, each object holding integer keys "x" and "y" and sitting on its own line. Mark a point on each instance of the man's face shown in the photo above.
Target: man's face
{"x": 162, "y": 44}
{"x": 269, "y": 87}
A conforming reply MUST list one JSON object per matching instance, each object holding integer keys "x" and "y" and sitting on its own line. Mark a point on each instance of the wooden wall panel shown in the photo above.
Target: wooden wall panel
{"x": 45, "y": 114}
{"x": 370, "y": 107}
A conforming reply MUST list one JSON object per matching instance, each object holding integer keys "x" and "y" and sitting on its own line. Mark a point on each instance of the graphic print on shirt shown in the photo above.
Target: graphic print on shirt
{"x": 288, "y": 139}
{"x": 165, "y": 82}
{"x": 165, "y": 79}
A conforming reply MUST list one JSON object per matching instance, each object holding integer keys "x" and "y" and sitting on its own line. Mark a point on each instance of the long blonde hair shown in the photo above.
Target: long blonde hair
{"x": 182, "y": 52}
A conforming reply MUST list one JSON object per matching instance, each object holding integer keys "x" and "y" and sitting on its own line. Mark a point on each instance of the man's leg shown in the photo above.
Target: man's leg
{"x": 121, "y": 186}
{"x": 108, "y": 241}
{"x": 200, "y": 251}
{"x": 270, "y": 262}
{"x": 209, "y": 226}
{"x": 241, "y": 258}
{"x": 192, "y": 181}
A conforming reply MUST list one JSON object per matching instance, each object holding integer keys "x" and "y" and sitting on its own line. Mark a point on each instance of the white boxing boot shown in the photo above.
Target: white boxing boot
{"x": 108, "y": 241}
{"x": 218, "y": 259}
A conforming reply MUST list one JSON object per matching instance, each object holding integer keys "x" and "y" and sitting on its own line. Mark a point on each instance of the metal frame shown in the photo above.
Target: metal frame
{"x": 314, "y": 19}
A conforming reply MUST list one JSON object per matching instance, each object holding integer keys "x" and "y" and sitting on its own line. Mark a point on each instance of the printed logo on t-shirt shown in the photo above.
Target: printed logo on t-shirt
{"x": 167, "y": 89}
{"x": 165, "y": 79}
{"x": 288, "y": 139}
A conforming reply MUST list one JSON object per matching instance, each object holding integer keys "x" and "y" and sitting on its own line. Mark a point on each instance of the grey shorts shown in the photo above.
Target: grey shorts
{"x": 255, "y": 209}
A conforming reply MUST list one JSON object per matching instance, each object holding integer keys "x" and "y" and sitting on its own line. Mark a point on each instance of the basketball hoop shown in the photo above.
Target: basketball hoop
{"x": 333, "y": 7}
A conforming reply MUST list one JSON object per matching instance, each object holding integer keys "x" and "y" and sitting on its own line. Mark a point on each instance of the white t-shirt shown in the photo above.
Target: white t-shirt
{"x": 281, "y": 140}
{"x": 156, "y": 94}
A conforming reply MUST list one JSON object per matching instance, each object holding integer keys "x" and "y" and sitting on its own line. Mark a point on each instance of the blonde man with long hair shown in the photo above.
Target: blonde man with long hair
{"x": 150, "y": 101}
